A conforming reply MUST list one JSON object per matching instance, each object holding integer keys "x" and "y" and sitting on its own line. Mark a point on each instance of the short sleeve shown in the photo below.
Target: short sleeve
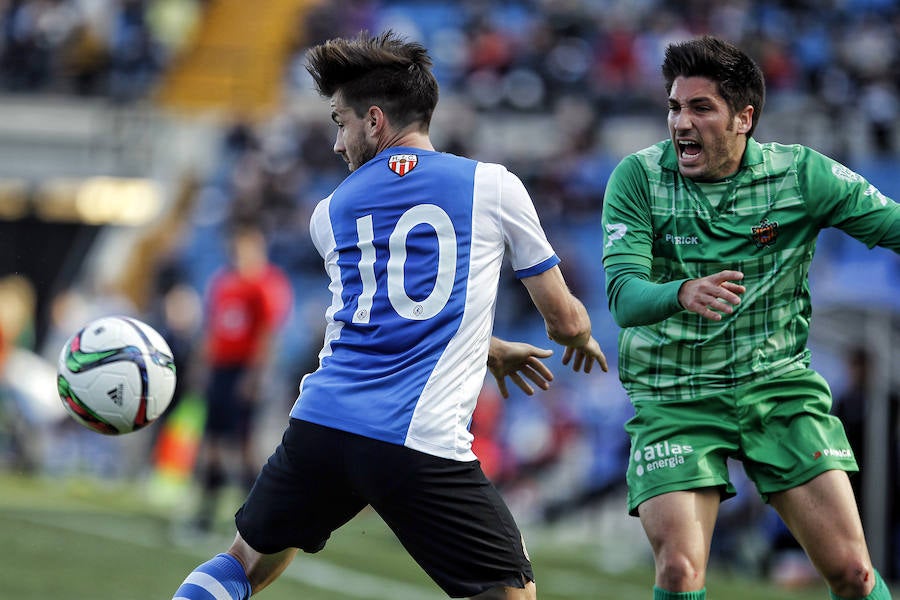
{"x": 530, "y": 253}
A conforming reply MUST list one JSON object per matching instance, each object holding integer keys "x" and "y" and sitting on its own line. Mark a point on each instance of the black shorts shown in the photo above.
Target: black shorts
{"x": 447, "y": 515}
{"x": 229, "y": 416}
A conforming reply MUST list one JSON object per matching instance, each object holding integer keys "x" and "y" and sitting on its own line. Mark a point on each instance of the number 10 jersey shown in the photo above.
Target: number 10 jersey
{"x": 413, "y": 243}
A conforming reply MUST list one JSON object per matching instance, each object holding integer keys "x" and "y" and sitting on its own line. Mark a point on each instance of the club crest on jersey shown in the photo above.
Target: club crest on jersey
{"x": 765, "y": 233}
{"x": 401, "y": 164}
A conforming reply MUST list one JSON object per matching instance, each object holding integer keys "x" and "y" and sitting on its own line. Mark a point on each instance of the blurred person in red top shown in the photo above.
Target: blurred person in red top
{"x": 246, "y": 303}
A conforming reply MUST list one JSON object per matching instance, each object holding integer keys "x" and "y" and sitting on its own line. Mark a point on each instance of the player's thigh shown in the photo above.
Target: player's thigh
{"x": 452, "y": 521}
{"x": 681, "y": 445}
{"x": 302, "y": 493}
{"x": 823, "y": 516}
{"x": 788, "y": 434}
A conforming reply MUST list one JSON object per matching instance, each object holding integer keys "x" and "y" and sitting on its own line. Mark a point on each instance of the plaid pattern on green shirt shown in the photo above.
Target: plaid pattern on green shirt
{"x": 765, "y": 225}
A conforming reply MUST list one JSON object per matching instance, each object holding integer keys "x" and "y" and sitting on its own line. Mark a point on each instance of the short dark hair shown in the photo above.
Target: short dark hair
{"x": 385, "y": 70}
{"x": 739, "y": 79}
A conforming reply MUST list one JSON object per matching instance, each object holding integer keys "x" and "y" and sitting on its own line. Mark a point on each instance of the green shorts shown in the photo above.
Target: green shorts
{"x": 780, "y": 429}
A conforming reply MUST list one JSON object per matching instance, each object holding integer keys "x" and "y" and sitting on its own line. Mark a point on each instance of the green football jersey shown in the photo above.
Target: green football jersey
{"x": 765, "y": 224}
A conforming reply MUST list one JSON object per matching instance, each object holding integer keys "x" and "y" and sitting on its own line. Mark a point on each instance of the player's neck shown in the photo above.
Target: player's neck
{"x": 408, "y": 139}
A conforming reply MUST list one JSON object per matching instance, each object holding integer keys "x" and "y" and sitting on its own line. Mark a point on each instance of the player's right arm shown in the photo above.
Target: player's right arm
{"x": 628, "y": 256}
{"x": 713, "y": 295}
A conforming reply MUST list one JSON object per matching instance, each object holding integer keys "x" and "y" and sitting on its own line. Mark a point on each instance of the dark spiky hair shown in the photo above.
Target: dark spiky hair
{"x": 385, "y": 70}
{"x": 739, "y": 80}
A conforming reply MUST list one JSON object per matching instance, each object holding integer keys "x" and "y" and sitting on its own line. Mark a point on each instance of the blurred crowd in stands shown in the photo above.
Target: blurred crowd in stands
{"x": 111, "y": 48}
{"x": 524, "y": 55}
{"x": 528, "y": 55}
{"x": 527, "y": 83}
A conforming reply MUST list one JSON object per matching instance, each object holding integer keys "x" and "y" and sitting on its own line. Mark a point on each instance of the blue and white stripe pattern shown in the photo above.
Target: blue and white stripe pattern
{"x": 220, "y": 578}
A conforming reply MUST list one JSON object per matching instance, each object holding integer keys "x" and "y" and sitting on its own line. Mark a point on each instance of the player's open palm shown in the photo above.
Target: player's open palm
{"x": 518, "y": 361}
{"x": 713, "y": 295}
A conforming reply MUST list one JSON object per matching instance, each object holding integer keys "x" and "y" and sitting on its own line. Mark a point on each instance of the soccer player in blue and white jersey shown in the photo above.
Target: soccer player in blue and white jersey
{"x": 413, "y": 241}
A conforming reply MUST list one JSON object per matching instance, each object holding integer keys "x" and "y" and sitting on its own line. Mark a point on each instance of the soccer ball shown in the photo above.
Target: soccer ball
{"x": 116, "y": 375}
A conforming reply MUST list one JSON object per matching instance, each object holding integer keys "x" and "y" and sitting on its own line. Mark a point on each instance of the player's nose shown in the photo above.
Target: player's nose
{"x": 681, "y": 121}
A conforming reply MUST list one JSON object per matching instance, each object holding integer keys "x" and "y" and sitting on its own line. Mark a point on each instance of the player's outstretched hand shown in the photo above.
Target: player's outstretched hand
{"x": 585, "y": 356}
{"x": 713, "y": 295}
{"x": 515, "y": 359}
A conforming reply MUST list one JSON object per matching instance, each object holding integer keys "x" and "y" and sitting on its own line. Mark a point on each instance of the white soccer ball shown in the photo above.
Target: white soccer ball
{"x": 116, "y": 375}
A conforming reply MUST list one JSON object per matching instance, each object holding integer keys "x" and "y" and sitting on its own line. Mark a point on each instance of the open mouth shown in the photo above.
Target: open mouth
{"x": 689, "y": 150}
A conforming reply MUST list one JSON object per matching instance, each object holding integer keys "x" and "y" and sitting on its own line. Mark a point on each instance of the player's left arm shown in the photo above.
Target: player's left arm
{"x": 842, "y": 198}
{"x": 891, "y": 238}
{"x": 566, "y": 319}
{"x": 535, "y": 265}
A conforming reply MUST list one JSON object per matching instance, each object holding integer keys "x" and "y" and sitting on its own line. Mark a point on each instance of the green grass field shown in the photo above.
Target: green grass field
{"x": 82, "y": 540}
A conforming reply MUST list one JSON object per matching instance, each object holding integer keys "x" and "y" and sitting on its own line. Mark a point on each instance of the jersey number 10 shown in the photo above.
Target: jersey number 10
{"x": 408, "y": 308}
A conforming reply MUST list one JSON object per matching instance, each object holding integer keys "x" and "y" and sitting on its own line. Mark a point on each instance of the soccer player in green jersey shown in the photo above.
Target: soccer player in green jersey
{"x": 708, "y": 240}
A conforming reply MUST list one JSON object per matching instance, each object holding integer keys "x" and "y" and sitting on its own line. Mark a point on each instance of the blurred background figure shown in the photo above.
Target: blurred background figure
{"x": 180, "y": 324}
{"x": 852, "y": 404}
{"x": 17, "y": 306}
{"x": 246, "y": 304}
{"x": 177, "y": 434}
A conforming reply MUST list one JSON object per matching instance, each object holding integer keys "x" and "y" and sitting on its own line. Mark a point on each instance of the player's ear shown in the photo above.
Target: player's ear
{"x": 745, "y": 119}
{"x": 375, "y": 119}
